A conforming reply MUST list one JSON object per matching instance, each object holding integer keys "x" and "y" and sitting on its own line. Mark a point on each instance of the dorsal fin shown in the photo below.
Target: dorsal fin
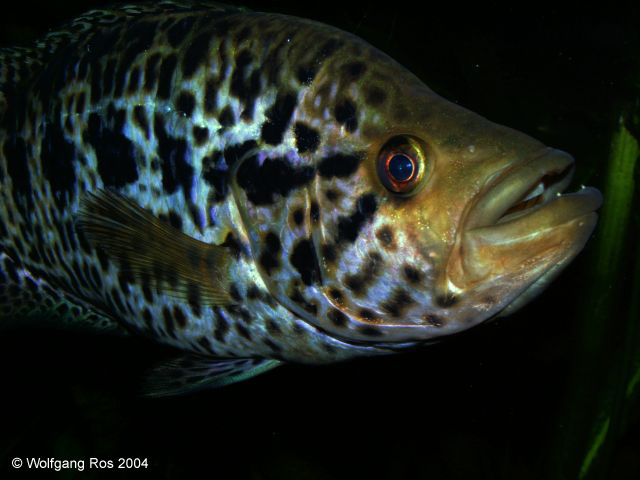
{"x": 18, "y": 65}
{"x": 112, "y": 15}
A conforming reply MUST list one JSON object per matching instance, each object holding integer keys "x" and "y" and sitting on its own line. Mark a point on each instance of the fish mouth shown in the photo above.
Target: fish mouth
{"x": 522, "y": 225}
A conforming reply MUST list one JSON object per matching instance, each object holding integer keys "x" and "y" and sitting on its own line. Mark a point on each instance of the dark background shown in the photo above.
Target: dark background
{"x": 494, "y": 403}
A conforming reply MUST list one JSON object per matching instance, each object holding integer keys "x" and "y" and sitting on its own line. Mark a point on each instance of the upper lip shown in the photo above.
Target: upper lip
{"x": 529, "y": 186}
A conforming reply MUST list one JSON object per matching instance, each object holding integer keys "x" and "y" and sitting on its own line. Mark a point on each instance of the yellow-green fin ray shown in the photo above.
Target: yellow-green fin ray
{"x": 146, "y": 247}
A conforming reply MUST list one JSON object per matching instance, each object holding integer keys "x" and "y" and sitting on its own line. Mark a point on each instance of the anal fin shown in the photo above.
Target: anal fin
{"x": 191, "y": 373}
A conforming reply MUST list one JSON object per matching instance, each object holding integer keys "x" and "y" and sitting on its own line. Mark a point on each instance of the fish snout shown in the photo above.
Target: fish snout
{"x": 522, "y": 224}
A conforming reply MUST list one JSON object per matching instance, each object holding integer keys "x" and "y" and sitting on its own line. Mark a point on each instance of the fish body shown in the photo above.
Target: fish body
{"x": 253, "y": 188}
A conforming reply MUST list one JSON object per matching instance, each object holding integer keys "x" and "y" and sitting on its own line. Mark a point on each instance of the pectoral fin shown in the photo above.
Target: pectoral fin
{"x": 192, "y": 373}
{"x": 180, "y": 266}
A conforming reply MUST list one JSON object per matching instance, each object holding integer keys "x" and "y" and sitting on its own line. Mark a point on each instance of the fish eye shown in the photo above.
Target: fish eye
{"x": 401, "y": 164}
{"x": 401, "y": 167}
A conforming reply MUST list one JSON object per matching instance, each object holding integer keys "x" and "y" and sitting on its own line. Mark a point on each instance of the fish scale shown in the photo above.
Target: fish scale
{"x": 215, "y": 178}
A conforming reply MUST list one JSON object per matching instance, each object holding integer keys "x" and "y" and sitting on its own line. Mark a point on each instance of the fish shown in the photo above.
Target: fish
{"x": 255, "y": 189}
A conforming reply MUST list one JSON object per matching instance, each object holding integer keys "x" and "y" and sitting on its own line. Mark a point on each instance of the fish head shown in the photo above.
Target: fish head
{"x": 448, "y": 220}
{"x": 392, "y": 215}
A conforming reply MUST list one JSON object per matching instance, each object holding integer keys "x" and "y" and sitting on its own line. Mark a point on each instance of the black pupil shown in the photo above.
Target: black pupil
{"x": 400, "y": 168}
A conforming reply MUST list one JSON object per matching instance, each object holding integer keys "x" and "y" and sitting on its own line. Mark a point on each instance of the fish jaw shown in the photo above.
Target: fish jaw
{"x": 521, "y": 232}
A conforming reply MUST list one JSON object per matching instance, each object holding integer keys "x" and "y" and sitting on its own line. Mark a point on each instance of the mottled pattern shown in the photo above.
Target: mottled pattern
{"x": 258, "y": 135}
{"x": 159, "y": 108}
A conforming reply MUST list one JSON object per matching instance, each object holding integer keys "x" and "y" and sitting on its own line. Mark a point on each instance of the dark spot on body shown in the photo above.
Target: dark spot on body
{"x": 370, "y": 331}
{"x": 330, "y": 47}
{"x": 274, "y": 347}
{"x": 297, "y": 297}
{"x": 140, "y": 118}
{"x": 196, "y": 54}
{"x": 96, "y": 277}
{"x": 332, "y": 195}
{"x": 239, "y": 151}
{"x": 432, "y": 320}
{"x": 194, "y": 298}
{"x": 242, "y": 330}
{"x": 245, "y": 87}
{"x": 385, "y": 235}
{"x": 148, "y": 318}
{"x": 210, "y": 96}
{"x": 349, "y": 227}
{"x": 305, "y": 261}
{"x": 490, "y": 300}
{"x": 226, "y": 117}
{"x": 399, "y": 301}
{"x": 177, "y": 33}
{"x": 200, "y": 135}
{"x": 173, "y": 152}
{"x": 10, "y": 268}
{"x": 185, "y": 103}
{"x": 222, "y": 326}
{"x": 232, "y": 243}
{"x": 314, "y": 212}
{"x": 109, "y": 77}
{"x": 412, "y": 274}
{"x": 355, "y": 283}
{"x": 338, "y": 318}
{"x": 15, "y": 153}
{"x": 102, "y": 258}
{"x": 329, "y": 253}
{"x": 145, "y": 283}
{"x": 197, "y": 217}
{"x": 269, "y": 258}
{"x": 278, "y": 118}
{"x": 217, "y": 178}
{"x": 151, "y": 72}
{"x": 175, "y": 220}
{"x": 307, "y": 139}
{"x": 353, "y": 70}
{"x": 298, "y": 216}
{"x": 134, "y": 80}
{"x": 179, "y": 316}
{"x": 272, "y": 327}
{"x": 81, "y": 101}
{"x": 307, "y": 73}
{"x": 168, "y": 321}
{"x": 57, "y": 159}
{"x": 253, "y": 292}
{"x": 165, "y": 77}
{"x": 336, "y": 296}
{"x": 358, "y": 282}
{"x": 243, "y": 34}
{"x": 275, "y": 176}
{"x": 117, "y": 300}
{"x": 345, "y": 113}
{"x": 115, "y": 153}
{"x": 235, "y": 293}
{"x": 375, "y": 96}
{"x": 447, "y": 300}
{"x": 339, "y": 165}
{"x": 139, "y": 39}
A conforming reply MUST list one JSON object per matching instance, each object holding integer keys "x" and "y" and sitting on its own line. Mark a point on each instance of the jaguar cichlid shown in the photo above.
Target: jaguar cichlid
{"x": 253, "y": 188}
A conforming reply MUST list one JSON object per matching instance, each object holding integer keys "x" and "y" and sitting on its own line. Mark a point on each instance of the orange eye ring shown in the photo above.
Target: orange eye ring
{"x": 401, "y": 164}
{"x": 400, "y": 167}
